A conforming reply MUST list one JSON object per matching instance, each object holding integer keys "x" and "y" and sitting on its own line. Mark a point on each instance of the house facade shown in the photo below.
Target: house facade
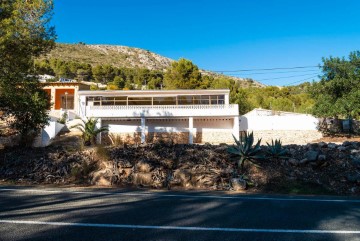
{"x": 182, "y": 116}
{"x": 63, "y": 97}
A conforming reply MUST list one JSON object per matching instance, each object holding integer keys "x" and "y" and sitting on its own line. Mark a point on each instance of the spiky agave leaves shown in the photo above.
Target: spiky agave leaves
{"x": 245, "y": 150}
{"x": 275, "y": 150}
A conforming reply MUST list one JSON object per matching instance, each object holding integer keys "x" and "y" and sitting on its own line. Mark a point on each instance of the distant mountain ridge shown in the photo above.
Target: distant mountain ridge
{"x": 120, "y": 56}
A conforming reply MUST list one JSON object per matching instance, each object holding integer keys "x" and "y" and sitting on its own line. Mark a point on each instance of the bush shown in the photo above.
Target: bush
{"x": 245, "y": 151}
{"x": 275, "y": 150}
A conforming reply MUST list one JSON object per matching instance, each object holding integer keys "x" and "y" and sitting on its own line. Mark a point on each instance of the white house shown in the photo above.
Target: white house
{"x": 184, "y": 116}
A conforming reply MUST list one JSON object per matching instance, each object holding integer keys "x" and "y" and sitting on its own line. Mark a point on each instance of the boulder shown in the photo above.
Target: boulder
{"x": 342, "y": 148}
{"x": 182, "y": 177}
{"x": 238, "y": 184}
{"x": 321, "y": 158}
{"x": 347, "y": 143}
{"x": 322, "y": 144}
{"x": 353, "y": 178}
{"x": 303, "y": 161}
{"x": 331, "y": 145}
{"x": 355, "y": 161}
{"x": 293, "y": 162}
{"x": 312, "y": 156}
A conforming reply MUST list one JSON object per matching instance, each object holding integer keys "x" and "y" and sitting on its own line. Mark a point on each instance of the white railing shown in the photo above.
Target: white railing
{"x": 161, "y": 110}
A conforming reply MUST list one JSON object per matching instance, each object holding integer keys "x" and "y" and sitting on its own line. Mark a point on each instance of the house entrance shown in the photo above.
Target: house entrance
{"x": 67, "y": 102}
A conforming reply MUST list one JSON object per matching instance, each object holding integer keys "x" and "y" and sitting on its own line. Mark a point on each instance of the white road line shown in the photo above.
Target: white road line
{"x": 252, "y": 230}
{"x": 199, "y": 196}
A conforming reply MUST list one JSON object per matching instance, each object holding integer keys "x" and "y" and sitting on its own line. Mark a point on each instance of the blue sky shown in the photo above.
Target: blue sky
{"x": 221, "y": 35}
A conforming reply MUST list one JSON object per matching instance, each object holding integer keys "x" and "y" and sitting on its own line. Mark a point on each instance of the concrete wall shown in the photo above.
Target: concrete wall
{"x": 296, "y": 122}
{"x": 287, "y": 137}
{"x": 290, "y": 129}
{"x": 48, "y": 133}
{"x": 216, "y": 130}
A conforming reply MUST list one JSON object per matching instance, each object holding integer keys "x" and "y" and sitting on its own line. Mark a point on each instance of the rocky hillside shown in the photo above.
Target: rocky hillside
{"x": 119, "y": 56}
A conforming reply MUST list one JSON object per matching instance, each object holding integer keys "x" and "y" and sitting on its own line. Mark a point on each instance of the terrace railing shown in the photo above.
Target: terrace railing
{"x": 161, "y": 110}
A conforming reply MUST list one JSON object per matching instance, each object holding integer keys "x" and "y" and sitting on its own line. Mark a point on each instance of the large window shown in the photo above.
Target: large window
{"x": 201, "y": 99}
{"x": 121, "y": 100}
{"x": 139, "y": 101}
{"x": 165, "y": 100}
{"x": 169, "y": 100}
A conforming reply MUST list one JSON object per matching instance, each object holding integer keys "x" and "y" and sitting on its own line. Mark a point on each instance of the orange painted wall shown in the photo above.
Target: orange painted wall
{"x": 58, "y": 94}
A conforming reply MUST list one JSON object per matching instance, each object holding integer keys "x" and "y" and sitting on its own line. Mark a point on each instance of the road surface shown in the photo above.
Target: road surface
{"x": 108, "y": 214}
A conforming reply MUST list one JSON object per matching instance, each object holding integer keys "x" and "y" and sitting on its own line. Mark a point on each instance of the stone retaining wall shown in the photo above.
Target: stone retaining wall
{"x": 170, "y": 137}
{"x": 288, "y": 137}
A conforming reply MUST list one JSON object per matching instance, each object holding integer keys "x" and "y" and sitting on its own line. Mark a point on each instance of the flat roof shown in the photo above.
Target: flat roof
{"x": 152, "y": 92}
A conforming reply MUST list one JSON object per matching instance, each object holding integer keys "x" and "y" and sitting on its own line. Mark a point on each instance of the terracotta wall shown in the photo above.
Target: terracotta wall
{"x": 58, "y": 94}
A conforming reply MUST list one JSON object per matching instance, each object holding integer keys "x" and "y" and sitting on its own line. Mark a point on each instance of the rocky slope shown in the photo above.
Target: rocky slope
{"x": 317, "y": 168}
{"x": 120, "y": 56}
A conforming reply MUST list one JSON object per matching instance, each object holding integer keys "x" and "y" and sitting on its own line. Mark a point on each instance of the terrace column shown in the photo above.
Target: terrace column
{"x": 98, "y": 126}
{"x": 143, "y": 130}
{"x": 53, "y": 97}
{"x": 191, "y": 128}
{"x": 81, "y": 111}
{"x": 236, "y": 127}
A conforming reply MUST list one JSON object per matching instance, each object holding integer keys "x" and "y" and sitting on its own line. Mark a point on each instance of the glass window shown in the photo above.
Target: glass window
{"x": 139, "y": 101}
{"x": 95, "y": 100}
{"x": 221, "y": 99}
{"x": 214, "y": 99}
{"x": 165, "y": 100}
{"x": 185, "y": 100}
{"x": 205, "y": 99}
{"x": 196, "y": 100}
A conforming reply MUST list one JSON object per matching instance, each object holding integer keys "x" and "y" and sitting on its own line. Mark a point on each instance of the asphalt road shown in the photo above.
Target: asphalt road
{"x": 107, "y": 214}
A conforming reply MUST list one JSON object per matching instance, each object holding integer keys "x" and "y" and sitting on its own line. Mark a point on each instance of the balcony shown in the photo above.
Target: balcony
{"x": 108, "y": 111}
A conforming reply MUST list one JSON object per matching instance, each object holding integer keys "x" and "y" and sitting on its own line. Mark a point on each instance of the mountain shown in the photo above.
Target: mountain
{"x": 122, "y": 56}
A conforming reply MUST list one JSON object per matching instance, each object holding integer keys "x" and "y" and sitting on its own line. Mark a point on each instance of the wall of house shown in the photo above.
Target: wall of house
{"x": 216, "y": 130}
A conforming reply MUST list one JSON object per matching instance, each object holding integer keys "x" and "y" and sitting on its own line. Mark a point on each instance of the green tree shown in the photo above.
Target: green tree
{"x": 337, "y": 94}
{"x": 182, "y": 75}
{"x": 24, "y": 34}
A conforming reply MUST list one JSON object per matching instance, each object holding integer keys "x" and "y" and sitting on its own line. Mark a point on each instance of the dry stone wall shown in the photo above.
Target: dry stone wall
{"x": 299, "y": 137}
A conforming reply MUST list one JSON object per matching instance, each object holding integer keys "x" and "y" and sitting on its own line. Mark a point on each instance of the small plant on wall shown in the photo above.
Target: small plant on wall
{"x": 245, "y": 151}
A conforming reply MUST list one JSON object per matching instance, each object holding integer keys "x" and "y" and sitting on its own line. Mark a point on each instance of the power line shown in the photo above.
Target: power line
{"x": 281, "y": 72}
{"x": 301, "y": 80}
{"x": 284, "y": 77}
{"x": 268, "y": 69}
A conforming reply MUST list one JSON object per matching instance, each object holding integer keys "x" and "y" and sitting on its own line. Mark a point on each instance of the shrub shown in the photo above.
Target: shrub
{"x": 63, "y": 118}
{"x": 275, "y": 150}
{"x": 245, "y": 150}
{"x": 116, "y": 139}
{"x": 89, "y": 130}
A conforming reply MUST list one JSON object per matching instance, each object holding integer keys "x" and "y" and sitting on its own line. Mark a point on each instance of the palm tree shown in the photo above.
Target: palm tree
{"x": 89, "y": 130}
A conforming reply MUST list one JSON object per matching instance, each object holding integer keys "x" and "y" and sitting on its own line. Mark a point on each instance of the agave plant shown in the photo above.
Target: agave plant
{"x": 245, "y": 150}
{"x": 275, "y": 150}
{"x": 89, "y": 130}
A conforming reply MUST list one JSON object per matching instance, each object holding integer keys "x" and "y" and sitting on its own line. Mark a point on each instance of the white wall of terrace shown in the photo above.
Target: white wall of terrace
{"x": 161, "y": 111}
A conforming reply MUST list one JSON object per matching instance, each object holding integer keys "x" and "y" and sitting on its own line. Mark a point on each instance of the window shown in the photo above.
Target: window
{"x": 185, "y": 100}
{"x": 139, "y": 101}
{"x": 165, "y": 100}
{"x": 93, "y": 100}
